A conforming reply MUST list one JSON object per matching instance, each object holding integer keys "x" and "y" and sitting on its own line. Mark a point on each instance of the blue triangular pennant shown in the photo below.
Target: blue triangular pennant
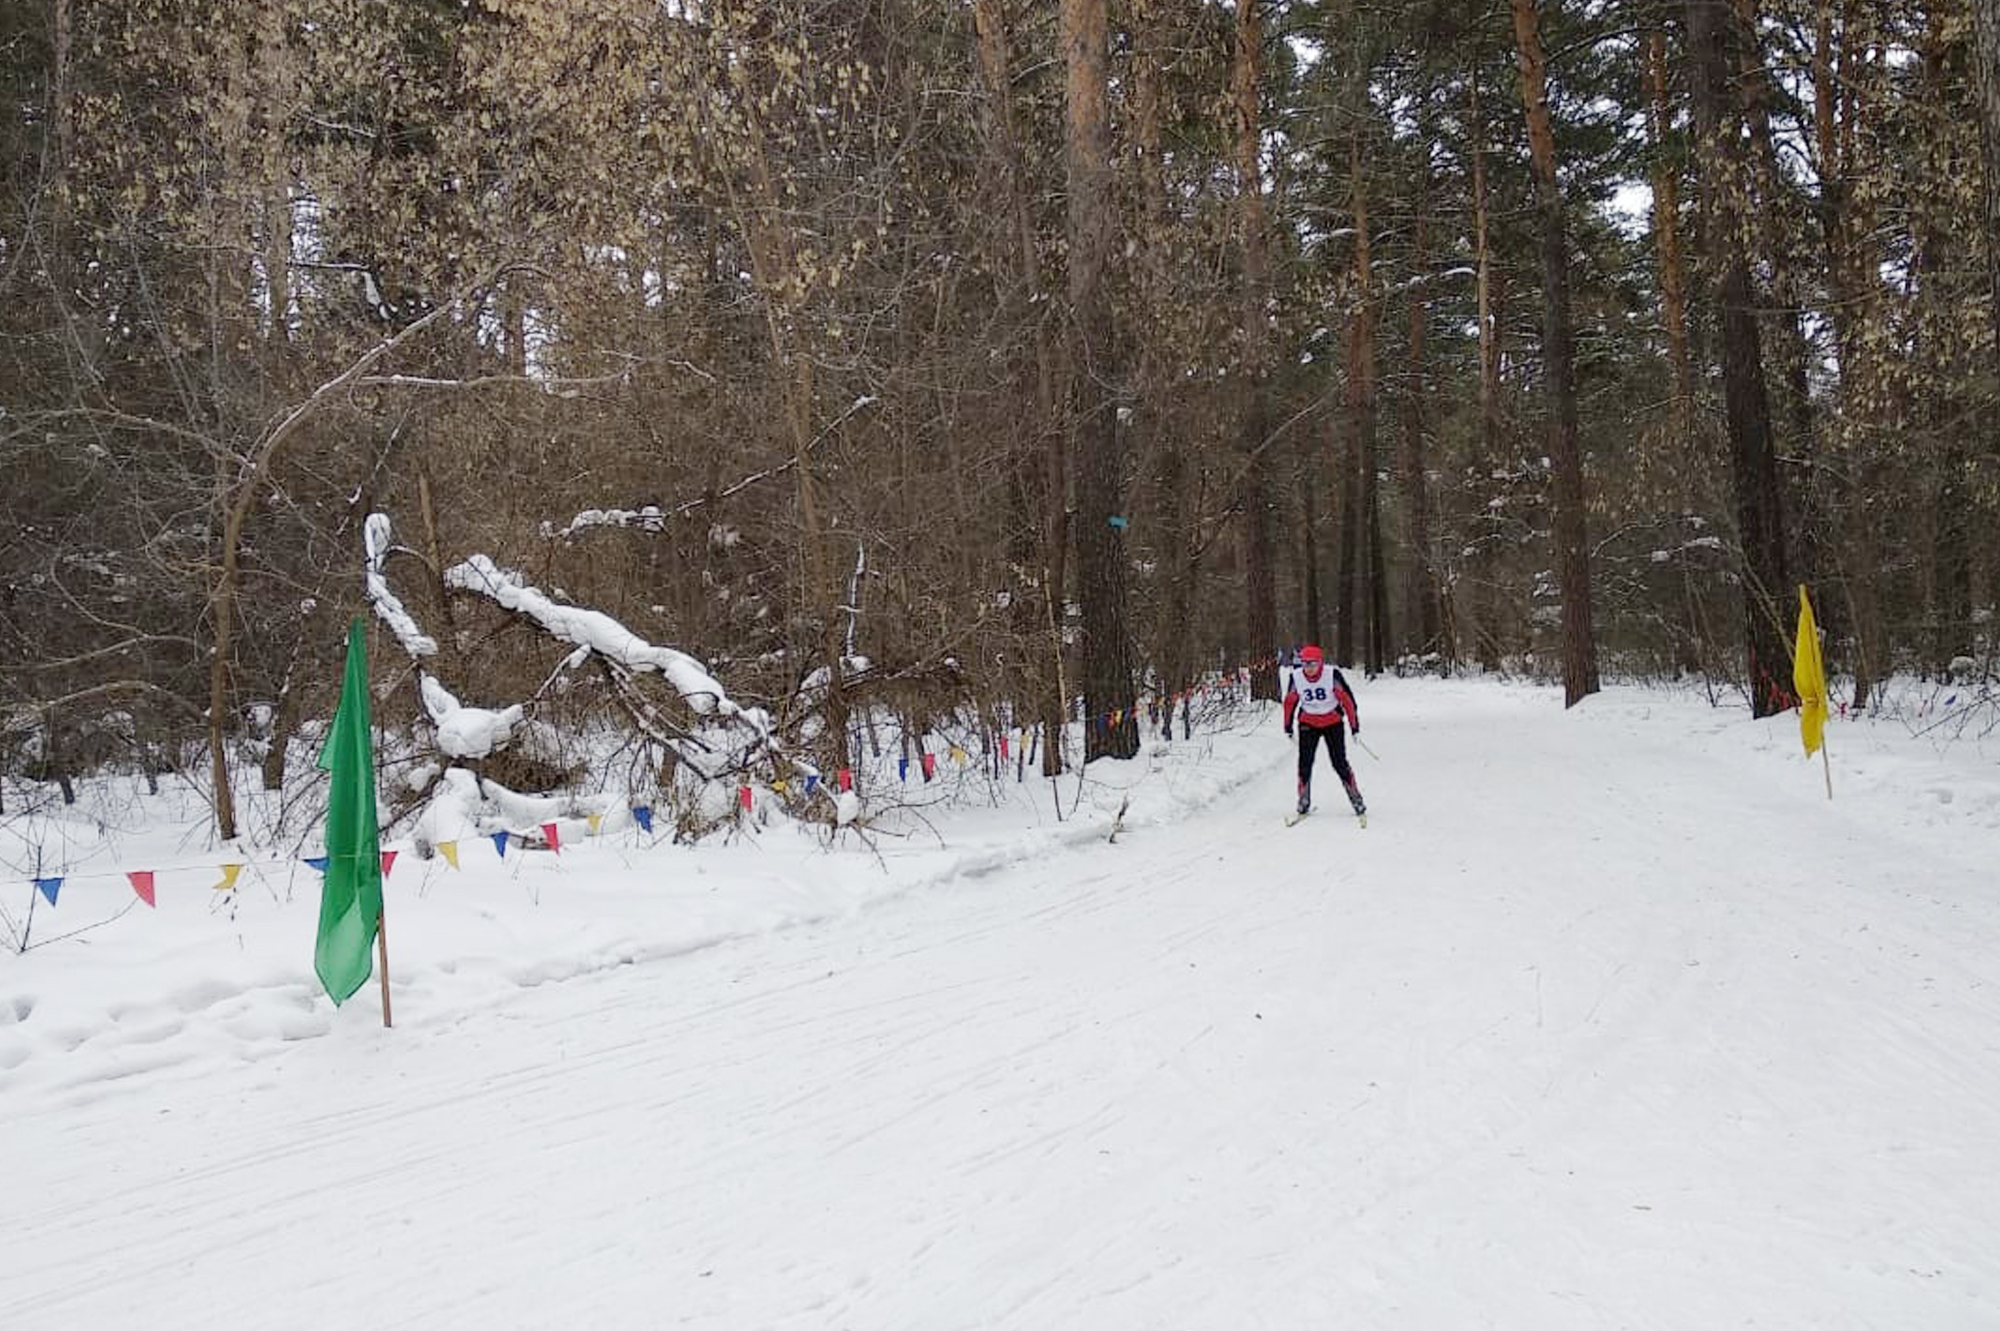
{"x": 812, "y": 782}
{"x": 500, "y": 843}
{"x": 49, "y": 887}
{"x": 317, "y": 862}
{"x": 644, "y": 816}
{"x": 902, "y": 769}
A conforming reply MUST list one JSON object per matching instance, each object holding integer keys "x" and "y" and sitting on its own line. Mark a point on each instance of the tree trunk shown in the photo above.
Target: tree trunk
{"x": 1485, "y": 628}
{"x": 1111, "y": 728}
{"x": 1367, "y": 536}
{"x": 1377, "y": 656}
{"x": 1042, "y": 470}
{"x": 1672, "y": 264}
{"x": 1849, "y": 308}
{"x": 1579, "y": 649}
{"x": 1314, "y": 611}
{"x": 1154, "y": 401}
{"x": 1938, "y": 262}
{"x": 1347, "y": 613}
{"x": 1421, "y": 613}
{"x": 1794, "y": 349}
{"x": 277, "y": 83}
{"x": 62, "y": 118}
{"x": 773, "y": 260}
{"x": 1261, "y": 590}
{"x": 1667, "y": 241}
{"x": 1753, "y": 460}
{"x": 1986, "y": 61}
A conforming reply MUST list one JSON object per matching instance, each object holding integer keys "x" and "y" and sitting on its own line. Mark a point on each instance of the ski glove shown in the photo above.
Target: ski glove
{"x": 1288, "y": 732}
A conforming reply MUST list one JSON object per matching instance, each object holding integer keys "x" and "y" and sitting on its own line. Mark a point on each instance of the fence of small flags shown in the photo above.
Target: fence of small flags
{"x": 1015, "y": 744}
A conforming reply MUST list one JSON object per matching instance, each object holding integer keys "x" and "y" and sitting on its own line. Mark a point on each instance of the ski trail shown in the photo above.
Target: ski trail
{"x": 1520, "y": 1053}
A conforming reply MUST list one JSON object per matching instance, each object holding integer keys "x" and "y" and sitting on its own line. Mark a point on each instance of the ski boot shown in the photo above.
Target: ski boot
{"x": 1354, "y": 798}
{"x": 1305, "y": 799}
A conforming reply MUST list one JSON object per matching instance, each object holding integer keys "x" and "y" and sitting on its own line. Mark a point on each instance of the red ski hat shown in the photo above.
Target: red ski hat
{"x": 1311, "y": 655}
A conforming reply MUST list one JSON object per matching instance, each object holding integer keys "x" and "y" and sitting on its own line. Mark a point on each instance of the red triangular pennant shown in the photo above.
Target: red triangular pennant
{"x": 554, "y": 836}
{"x": 142, "y": 883}
{"x": 388, "y": 858}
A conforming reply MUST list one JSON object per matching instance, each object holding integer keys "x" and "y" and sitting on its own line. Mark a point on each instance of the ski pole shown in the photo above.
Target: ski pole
{"x": 1365, "y": 749}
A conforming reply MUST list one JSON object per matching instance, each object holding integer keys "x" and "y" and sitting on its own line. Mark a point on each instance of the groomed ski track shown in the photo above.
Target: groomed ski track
{"x": 1588, "y": 1029}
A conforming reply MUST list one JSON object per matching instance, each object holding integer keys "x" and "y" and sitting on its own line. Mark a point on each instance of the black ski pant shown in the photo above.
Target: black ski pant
{"x": 1336, "y": 748}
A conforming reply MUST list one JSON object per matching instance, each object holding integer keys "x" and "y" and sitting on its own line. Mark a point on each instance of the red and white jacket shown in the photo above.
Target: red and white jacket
{"x": 1320, "y": 700}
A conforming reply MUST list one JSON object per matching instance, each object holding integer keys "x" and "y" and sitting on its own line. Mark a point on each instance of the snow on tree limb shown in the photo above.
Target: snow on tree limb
{"x": 415, "y": 641}
{"x": 603, "y": 635}
{"x": 653, "y": 520}
{"x": 648, "y": 519}
{"x": 467, "y": 732}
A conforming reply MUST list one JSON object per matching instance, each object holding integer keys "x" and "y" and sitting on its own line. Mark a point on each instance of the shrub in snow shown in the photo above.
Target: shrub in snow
{"x": 614, "y": 718}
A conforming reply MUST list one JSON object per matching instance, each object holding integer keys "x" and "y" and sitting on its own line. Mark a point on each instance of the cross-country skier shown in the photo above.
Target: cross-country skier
{"x": 1318, "y": 701}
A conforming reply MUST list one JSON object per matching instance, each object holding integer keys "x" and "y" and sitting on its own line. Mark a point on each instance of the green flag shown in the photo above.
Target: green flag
{"x": 350, "y": 899}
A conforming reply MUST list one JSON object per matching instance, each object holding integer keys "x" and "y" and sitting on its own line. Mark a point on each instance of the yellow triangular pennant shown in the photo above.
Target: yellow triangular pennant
{"x": 449, "y": 849}
{"x": 594, "y": 819}
{"x": 1809, "y": 678}
{"x": 229, "y": 872}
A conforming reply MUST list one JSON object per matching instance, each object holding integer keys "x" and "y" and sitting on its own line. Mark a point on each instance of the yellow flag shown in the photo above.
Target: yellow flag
{"x": 229, "y": 872}
{"x": 1809, "y": 678}
{"x": 449, "y": 849}
{"x": 594, "y": 819}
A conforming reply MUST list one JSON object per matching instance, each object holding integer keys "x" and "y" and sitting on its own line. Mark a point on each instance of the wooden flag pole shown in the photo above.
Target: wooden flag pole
{"x": 382, "y": 951}
{"x": 1827, "y": 763}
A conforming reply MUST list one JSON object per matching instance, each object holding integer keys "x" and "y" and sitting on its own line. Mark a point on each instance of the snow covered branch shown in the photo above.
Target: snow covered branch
{"x": 653, "y": 519}
{"x": 467, "y": 732}
{"x": 388, "y": 607}
{"x": 555, "y": 387}
{"x": 648, "y": 519}
{"x": 600, "y": 633}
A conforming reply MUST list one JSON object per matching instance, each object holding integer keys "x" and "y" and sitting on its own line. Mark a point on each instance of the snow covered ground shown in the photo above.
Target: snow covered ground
{"x": 1608, "y": 1019}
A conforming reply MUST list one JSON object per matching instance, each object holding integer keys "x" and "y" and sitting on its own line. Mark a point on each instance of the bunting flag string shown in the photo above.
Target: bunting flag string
{"x": 144, "y": 882}
{"x": 1016, "y": 741}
